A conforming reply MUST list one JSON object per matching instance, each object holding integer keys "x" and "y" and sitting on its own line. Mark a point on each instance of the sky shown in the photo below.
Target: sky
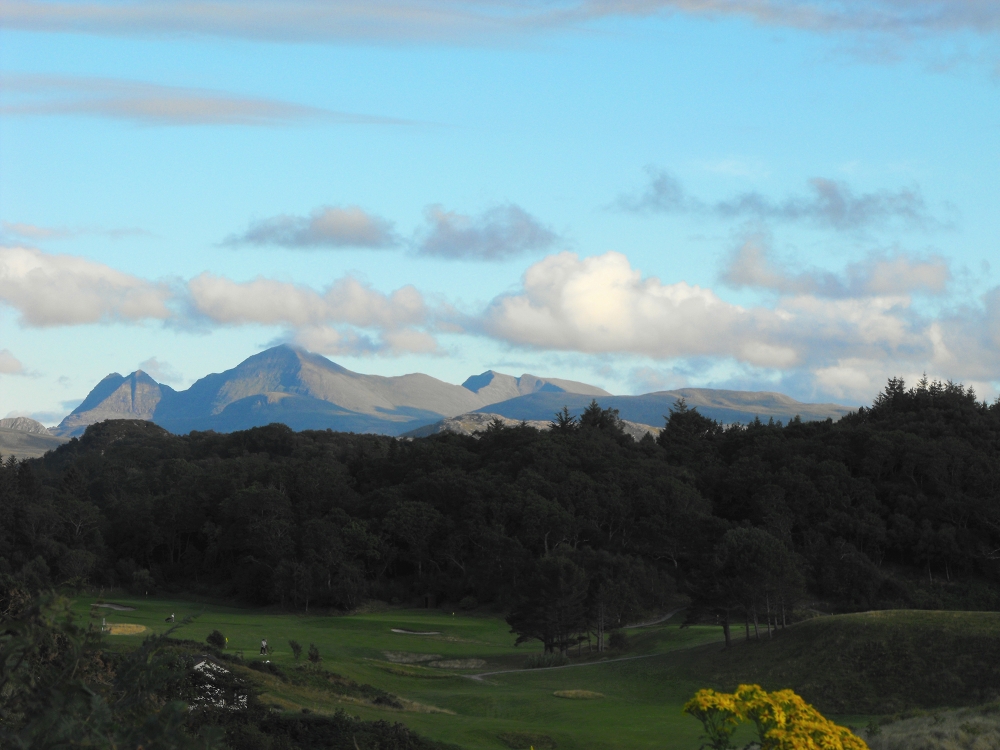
{"x": 799, "y": 196}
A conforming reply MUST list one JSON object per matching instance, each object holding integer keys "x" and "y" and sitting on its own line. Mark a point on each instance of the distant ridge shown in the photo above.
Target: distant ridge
{"x": 22, "y": 437}
{"x": 304, "y": 390}
{"x": 727, "y": 407}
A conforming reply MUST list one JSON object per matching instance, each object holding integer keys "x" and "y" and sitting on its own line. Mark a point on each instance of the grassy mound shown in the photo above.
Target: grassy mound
{"x": 871, "y": 663}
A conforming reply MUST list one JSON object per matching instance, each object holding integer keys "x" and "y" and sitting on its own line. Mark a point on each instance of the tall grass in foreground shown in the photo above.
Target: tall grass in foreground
{"x": 963, "y": 729}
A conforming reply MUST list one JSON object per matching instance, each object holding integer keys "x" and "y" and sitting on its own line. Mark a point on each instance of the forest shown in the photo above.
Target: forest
{"x": 570, "y": 532}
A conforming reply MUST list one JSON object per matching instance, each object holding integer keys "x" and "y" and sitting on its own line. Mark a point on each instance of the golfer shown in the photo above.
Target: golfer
{"x": 263, "y": 646}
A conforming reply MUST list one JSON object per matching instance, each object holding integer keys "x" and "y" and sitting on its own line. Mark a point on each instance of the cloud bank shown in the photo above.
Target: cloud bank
{"x": 467, "y": 22}
{"x": 827, "y": 203}
{"x": 155, "y": 104}
{"x": 839, "y": 333}
{"x": 842, "y": 332}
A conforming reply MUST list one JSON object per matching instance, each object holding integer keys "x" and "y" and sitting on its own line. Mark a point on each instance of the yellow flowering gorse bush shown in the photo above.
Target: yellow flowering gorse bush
{"x": 783, "y": 720}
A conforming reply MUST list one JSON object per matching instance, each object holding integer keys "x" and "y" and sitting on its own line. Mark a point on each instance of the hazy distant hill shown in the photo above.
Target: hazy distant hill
{"x": 305, "y": 391}
{"x": 476, "y": 422}
{"x": 22, "y": 437}
{"x": 727, "y": 407}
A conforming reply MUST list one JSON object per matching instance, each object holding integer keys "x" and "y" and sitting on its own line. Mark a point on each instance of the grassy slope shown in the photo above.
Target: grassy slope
{"x": 850, "y": 666}
{"x": 869, "y": 663}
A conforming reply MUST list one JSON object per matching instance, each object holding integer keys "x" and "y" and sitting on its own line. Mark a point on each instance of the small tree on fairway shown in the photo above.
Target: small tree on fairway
{"x": 296, "y": 649}
{"x": 217, "y": 639}
{"x": 314, "y": 656}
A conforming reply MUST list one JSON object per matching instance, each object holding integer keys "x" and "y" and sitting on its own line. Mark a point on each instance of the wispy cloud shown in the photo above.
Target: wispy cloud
{"x": 9, "y": 364}
{"x": 478, "y": 21}
{"x": 497, "y": 234}
{"x": 37, "y": 233}
{"x": 156, "y": 104}
{"x": 828, "y": 203}
{"x": 328, "y": 226}
{"x": 161, "y": 372}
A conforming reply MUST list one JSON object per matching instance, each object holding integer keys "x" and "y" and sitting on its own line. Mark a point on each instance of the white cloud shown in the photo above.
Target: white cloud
{"x": 751, "y": 266}
{"x": 317, "y": 319}
{"x": 155, "y": 104}
{"x": 328, "y": 226}
{"x": 499, "y": 233}
{"x": 52, "y": 290}
{"x": 9, "y": 364}
{"x": 479, "y": 21}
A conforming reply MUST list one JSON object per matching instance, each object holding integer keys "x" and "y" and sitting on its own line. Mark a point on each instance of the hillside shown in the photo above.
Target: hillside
{"x": 868, "y": 663}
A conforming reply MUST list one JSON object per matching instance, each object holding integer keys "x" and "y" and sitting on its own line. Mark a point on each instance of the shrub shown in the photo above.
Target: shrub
{"x": 268, "y": 668}
{"x": 543, "y": 661}
{"x": 296, "y": 649}
{"x": 618, "y": 641}
{"x": 314, "y": 656}
{"x": 783, "y": 720}
{"x": 217, "y": 639}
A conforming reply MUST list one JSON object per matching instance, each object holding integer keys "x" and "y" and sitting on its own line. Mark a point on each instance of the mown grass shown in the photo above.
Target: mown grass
{"x": 852, "y": 667}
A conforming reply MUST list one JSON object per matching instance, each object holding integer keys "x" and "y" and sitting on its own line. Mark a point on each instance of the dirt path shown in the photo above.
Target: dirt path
{"x": 665, "y": 617}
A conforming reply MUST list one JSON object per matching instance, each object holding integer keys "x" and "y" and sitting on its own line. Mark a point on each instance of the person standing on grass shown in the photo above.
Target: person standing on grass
{"x": 263, "y": 646}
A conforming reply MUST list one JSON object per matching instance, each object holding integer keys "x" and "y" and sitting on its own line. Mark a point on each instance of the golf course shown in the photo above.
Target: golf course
{"x": 456, "y": 678}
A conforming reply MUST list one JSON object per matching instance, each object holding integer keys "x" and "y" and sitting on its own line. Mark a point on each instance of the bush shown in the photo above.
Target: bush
{"x": 217, "y": 639}
{"x": 268, "y": 668}
{"x": 543, "y": 661}
{"x": 296, "y": 649}
{"x": 314, "y": 656}
{"x": 618, "y": 641}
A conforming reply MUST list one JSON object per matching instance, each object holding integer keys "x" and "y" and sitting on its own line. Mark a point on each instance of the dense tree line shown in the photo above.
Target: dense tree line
{"x": 578, "y": 529}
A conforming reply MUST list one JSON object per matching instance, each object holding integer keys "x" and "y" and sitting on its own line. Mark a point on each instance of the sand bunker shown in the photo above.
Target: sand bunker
{"x": 404, "y": 631}
{"x": 404, "y": 657}
{"x": 579, "y": 695}
{"x": 125, "y": 628}
{"x": 119, "y": 607}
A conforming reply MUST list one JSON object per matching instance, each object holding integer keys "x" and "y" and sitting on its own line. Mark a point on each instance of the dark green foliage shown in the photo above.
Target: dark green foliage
{"x": 546, "y": 660}
{"x": 618, "y": 640}
{"x": 61, "y": 689}
{"x": 314, "y": 657}
{"x": 891, "y": 506}
{"x": 217, "y": 639}
{"x": 296, "y": 649}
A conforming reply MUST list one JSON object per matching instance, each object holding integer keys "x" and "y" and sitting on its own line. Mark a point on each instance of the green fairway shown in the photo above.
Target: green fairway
{"x": 642, "y": 693}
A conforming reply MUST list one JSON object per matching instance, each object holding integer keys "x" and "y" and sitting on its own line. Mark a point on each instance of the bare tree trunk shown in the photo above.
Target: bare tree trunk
{"x": 756, "y": 632}
{"x": 746, "y": 622}
{"x": 725, "y": 630}
{"x": 767, "y": 604}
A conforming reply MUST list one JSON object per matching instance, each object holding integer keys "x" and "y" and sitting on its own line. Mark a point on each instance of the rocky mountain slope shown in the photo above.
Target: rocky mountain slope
{"x": 305, "y": 391}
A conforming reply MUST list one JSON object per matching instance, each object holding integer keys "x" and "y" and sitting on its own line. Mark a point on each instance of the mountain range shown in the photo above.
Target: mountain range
{"x": 307, "y": 391}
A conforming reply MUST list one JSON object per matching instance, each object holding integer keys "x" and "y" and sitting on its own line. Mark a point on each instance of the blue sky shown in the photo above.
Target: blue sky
{"x": 784, "y": 195}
